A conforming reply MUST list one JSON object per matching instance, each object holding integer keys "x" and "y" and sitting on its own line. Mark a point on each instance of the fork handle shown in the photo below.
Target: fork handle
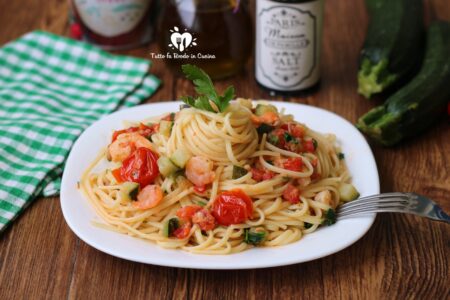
{"x": 440, "y": 215}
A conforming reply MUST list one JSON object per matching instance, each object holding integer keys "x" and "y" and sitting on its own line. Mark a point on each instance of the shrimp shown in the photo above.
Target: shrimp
{"x": 125, "y": 144}
{"x": 268, "y": 117}
{"x": 325, "y": 198}
{"x": 149, "y": 197}
{"x": 199, "y": 171}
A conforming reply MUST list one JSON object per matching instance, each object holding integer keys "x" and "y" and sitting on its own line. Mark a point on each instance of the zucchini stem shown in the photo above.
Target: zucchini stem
{"x": 374, "y": 78}
{"x": 380, "y": 125}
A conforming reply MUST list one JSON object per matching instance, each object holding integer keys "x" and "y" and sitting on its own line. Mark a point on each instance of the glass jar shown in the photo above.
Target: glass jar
{"x": 112, "y": 24}
{"x": 215, "y": 35}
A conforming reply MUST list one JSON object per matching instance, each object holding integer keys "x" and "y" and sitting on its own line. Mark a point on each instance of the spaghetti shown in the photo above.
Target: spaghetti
{"x": 219, "y": 183}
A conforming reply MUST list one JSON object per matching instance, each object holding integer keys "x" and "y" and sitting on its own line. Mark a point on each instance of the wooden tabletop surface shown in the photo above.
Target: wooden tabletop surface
{"x": 402, "y": 256}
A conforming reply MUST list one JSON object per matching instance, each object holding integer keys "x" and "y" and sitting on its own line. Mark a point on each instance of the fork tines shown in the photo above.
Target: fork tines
{"x": 396, "y": 202}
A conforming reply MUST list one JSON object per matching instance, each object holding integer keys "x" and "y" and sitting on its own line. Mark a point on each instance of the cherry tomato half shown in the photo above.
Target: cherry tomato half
{"x": 276, "y": 137}
{"x": 308, "y": 146}
{"x": 183, "y": 231}
{"x": 232, "y": 207}
{"x": 144, "y": 130}
{"x": 293, "y": 164}
{"x": 117, "y": 176}
{"x": 260, "y": 175}
{"x": 140, "y": 167}
{"x": 291, "y": 194}
{"x": 296, "y": 130}
{"x": 185, "y": 213}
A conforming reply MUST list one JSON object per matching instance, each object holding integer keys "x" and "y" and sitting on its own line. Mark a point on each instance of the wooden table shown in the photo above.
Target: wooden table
{"x": 402, "y": 256}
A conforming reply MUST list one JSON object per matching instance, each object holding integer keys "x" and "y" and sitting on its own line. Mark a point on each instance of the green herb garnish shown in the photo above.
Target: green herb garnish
{"x": 208, "y": 99}
{"x": 288, "y": 137}
{"x": 238, "y": 172}
{"x": 273, "y": 139}
{"x": 178, "y": 173}
{"x": 254, "y": 236}
{"x": 315, "y": 144}
{"x": 201, "y": 203}
{"x": 133, "y": 193}
{"x": 264, "y": 128}
{"x": 330, "y": 217}
{"x": 341, "y": 155}
{"x": 307, "y": 225}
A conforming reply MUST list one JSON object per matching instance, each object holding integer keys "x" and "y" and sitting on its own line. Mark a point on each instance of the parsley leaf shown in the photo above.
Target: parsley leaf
{"x": 264, "y": 128}
{"x": 201, "y": 203}
{"x": 254, "y": 236}
{"x": 287, "y": 137}
{"x": 208, "y": 98}
{"x": 238, "y": 172}
{"x": 341, "y": 155}
{"x": 330, "y": 217}
{"x": 273, "y": 139}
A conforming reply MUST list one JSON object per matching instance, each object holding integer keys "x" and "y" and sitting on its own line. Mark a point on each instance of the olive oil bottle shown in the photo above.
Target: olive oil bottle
{"x": 221, "y": 28}
{"x": 288, "y": 43}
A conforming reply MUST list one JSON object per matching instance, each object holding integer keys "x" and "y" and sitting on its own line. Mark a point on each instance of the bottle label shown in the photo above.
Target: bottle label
{"x": 110, "y": 18}
{"x": 288, "y": 44}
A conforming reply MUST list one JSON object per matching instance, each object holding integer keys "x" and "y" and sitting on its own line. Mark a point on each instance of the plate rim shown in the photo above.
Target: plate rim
{"x": 247, "y": 265}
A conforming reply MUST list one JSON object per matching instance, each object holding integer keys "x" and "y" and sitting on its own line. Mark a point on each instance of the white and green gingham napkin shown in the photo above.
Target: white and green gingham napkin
{"x": 51, "y": 88}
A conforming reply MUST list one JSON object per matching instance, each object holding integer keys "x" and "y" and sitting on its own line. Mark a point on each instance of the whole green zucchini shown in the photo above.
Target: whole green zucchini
{"x": 418, "y": 104}
{"x": 393, "y": 48}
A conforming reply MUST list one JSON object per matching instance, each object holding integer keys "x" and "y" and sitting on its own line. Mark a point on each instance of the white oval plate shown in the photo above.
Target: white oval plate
{"x": 325, "y": 241}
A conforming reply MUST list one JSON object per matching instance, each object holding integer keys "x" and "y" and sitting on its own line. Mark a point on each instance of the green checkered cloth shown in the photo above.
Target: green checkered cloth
{"x": 51, "y": 89}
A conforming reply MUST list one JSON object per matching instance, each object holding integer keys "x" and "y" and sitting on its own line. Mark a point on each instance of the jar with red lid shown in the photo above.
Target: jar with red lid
{"x": 113, "y": 24}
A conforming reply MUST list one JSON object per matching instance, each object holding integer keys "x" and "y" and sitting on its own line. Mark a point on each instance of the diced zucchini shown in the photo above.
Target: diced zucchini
{"x": 238, "y": 172}
{"x": 129, "y": 190}
{"x": 347, "y": 192}
{"x": 165, "y": 127}
{"x": 261, "y": 109}
{"x": 170, "y": 226}
{"x": 254, "y": 236}
{"x": 166, "y": 166}
{"x": 180, "y": 158}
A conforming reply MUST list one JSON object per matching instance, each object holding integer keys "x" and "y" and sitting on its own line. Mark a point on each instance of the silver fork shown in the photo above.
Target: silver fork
{"x": 409, "y": 203}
